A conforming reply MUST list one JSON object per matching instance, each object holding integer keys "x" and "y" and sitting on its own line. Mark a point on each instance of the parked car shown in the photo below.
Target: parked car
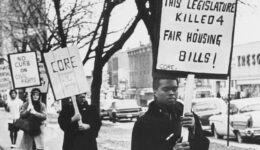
{"x": 207, "y": 107}
{"x": 244, "y": 120}
{"x": 124, "y": 109}
{"x": 104, "y": 106}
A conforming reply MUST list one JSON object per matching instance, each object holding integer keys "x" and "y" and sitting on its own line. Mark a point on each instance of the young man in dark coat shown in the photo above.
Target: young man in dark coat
{"x": 80, "y": 136}
{"x": 160, "y": 127}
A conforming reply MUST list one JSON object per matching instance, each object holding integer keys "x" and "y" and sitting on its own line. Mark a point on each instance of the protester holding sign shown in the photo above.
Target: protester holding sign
{"x": 13, "y": 106}
{"x": 160, "y": 127}
{"x": 79, "y": 135}
{"x": 37, "y": 110}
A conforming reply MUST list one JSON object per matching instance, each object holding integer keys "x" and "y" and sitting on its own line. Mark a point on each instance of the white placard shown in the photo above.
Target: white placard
{"x": 5, "y": 76}
{"x": 66, "y": 72}
{"x": 196, "y": 36}
{"x": 24, "y": 69}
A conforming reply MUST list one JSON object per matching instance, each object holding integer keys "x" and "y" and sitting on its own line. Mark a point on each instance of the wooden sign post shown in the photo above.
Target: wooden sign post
{"x": 75, "y": 106}
{"x": 189, "y": 87}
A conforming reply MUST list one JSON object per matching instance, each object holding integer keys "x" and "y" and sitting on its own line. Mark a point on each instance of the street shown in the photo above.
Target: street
{"x": 112, "y": 136}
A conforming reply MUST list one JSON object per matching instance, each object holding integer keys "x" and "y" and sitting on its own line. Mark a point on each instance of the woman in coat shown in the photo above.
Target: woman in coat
{"x": 37, "y": 110}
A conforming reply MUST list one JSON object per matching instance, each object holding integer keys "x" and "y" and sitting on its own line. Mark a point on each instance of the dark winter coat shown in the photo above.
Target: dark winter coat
{"x": 73, "y": 138}
{"x": 150, "y": 132}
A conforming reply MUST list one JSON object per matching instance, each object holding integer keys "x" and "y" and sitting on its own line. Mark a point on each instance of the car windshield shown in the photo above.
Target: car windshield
{"x": 203, "y": 106}
{"x": 250, "y": 108}
{"x": 202, "y": 94}
{"x": 126, "y": 104}
{"x": 105, "y": 103}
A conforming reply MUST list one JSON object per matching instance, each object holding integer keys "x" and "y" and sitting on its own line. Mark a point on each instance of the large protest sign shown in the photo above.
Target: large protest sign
{"x": 196, "y": 37}
{"x": 5, "y": 76}
{"x": 66, "y": 72}
{"x": 24, "y": 69}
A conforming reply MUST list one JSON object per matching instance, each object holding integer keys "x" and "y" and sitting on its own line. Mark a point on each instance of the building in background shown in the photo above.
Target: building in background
{"x": 118, "y": 74}
{"x": 245, "y": 73}
{"x": 140, "y": 73}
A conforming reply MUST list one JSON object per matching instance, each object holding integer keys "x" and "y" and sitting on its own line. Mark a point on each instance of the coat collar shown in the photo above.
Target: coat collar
{"x": 154, "y": 109}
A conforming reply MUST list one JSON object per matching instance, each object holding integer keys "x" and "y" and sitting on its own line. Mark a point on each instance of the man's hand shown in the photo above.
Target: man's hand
{"x": 83, "y": 126}
{"x": 182, "y": 146}
{"x": 76, "y": 117}
{"x": 188, "y": 120}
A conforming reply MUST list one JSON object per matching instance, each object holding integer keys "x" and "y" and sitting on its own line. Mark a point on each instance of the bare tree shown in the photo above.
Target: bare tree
{"x": 103, "y": 51}
{"x": 25, "y": 24}
{"x": 33, "y": 25}
{"x": 98, "y": 48}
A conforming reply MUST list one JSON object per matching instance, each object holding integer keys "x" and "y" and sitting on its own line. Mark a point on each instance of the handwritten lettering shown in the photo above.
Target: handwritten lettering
{"x": 211, "y": 6}
{"x": 172, "y": 35}
{"x": 172, "y": 3}
{"x": 197, "y": 57}
{"x": 63, "y": 64}
{"x": 167, "y": 67}
{"x": 196, "y": 18}
{"x": 204, "y": 38}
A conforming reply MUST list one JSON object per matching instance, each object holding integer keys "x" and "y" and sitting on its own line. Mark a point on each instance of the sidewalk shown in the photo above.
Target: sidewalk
{"x": 53, "y": 134}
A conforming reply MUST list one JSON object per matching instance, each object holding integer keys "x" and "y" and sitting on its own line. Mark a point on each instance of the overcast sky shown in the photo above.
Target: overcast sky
{"x": 247, "y": 27}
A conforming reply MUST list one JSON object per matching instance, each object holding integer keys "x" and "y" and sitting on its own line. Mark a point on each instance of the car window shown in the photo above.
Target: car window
{"x": 124, "y": 104}
{"x": 105, "y": 104}
{"x": 250, "y": 108}
{"x": 204, "y": 106}
{"x": 202, "y": 94}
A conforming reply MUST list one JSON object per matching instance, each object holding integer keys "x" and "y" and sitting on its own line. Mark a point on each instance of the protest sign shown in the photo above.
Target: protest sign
{"x": 24, "y": 69}
{"x": 66, "y": 72}
{"x": 5, "y": 76}
{"x": 196, "y": 37}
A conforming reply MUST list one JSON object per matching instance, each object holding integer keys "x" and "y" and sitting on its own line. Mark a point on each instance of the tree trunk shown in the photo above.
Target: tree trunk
{"x": 96, "y": 84}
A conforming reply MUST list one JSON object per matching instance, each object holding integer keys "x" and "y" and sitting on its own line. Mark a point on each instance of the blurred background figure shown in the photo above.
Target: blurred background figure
{"x": 13, "y": 106}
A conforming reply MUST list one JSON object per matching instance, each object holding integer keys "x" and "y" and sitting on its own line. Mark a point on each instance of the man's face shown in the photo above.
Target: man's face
{"x": 81, "y": 98}
{"x": 166, "y": 94}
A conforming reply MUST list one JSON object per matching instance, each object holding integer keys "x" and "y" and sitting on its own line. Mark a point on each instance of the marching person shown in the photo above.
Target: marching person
{"x": 13, "y": 106}
{"x": 79, "y": 136}
{"x": 37, "y": 109}
{"x": 160, "y": 127}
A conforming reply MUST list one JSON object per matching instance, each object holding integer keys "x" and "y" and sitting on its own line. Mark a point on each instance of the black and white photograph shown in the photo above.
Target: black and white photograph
{"x": 129, "y": 75}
